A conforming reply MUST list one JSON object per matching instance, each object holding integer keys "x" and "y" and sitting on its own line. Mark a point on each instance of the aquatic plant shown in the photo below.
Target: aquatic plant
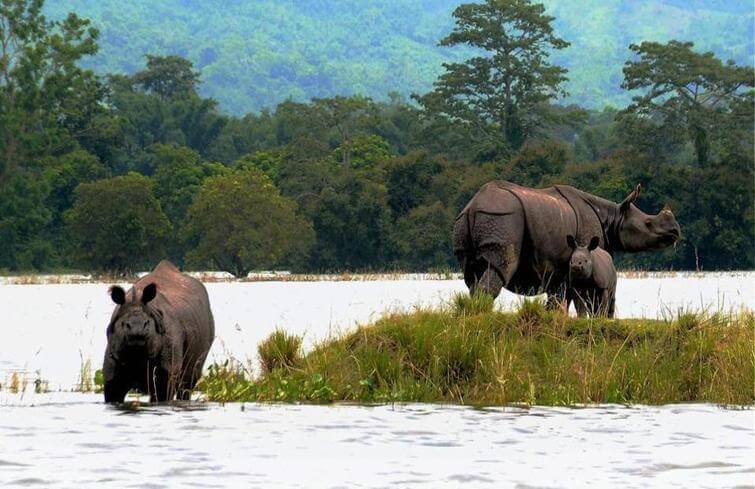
{"x": 279, "y": 351}
{"x": 41, "y": 385}
{"x": 531, "y": 356}
{"x": 86, "y": 376}
{"x": 18, "y": 383}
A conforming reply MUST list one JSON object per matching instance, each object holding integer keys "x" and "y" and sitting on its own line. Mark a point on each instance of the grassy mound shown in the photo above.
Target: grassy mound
{"x": 471, "y": 354}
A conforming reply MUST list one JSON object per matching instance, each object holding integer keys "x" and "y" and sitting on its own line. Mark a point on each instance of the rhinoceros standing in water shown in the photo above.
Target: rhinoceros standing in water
{"x": 158, "y": 337}
{"x": 515, "y": 237}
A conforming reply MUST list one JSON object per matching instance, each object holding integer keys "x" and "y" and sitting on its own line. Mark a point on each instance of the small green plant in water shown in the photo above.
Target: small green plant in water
{"x": 280, "y": 351}
{"x": 85, "y": 376}
{"x": 99, "y": 380}
{"x": 41, "y": 386}
{"x": 469, "y": 305}
{"x": 226, "y": 382}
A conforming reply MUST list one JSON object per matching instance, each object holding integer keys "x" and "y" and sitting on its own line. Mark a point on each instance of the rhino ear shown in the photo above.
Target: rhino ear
{"x": 571, "y": 241}
{"x": 149, "y": 293}
{"x": 594, "y": 242}
{"x": 118, "y": 295}
{"x": 631, "y": 197}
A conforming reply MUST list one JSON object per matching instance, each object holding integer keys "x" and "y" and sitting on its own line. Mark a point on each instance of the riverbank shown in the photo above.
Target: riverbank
{"x": 467, "y": 353}
{"x": 285, "y": 276}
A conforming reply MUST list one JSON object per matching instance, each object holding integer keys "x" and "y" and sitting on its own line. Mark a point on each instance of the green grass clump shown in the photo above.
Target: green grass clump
{"x": 464, "y": 304}
{"x": 279, "y": 351}
{"x": 530, "y": 356}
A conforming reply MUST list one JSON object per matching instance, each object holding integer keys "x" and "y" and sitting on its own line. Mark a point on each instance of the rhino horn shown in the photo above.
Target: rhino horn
{"x": 631, "y": 197}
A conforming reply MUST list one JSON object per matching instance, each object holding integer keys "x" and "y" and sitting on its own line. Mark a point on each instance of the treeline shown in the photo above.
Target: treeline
{"x": 114, "y": 173}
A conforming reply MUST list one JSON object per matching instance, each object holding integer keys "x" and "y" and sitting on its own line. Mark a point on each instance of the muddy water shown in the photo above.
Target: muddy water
{"x": 70, "y": 440}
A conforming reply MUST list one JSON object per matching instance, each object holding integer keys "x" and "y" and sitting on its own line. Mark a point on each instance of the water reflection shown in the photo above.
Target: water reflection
{"x": 76, "y": 441}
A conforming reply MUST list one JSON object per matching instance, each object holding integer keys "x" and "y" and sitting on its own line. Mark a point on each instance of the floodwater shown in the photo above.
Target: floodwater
{"x": 73, "y": 440}
{"x": 50, "y": 330}
{"x": 66, "y": 439}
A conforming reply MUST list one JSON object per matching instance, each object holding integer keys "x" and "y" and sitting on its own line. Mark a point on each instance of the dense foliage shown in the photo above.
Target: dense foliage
{"x": 113, "y": 172}
{"x": 259, "y": 53}
{"x": 239, "y": 222}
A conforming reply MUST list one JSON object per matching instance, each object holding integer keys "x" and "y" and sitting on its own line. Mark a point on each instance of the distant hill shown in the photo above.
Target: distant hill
{"x": 257, "y": 53}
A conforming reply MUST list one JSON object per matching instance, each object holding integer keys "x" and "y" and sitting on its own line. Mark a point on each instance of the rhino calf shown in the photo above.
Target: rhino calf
{"x": 159, "y": 336}
{"x": 592, "y": 279}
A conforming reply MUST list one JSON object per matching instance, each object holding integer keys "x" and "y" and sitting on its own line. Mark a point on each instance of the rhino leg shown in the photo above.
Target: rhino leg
{"x": 489, "y": 283}
{"x": 115, "y": 391}
{"x": 497, "y": 245}
{"x": 579, "y": 303}
{"x": 190, "y": 378}
{"x": 607, "y": 303}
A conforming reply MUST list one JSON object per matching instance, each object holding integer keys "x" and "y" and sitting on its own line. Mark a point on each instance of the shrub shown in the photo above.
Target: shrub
{"x": 280, "y": 350}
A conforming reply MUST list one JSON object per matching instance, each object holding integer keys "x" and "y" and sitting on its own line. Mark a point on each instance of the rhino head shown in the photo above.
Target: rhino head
{"x": 137, "y": 329}
{"x": 638, "y": 231}
{"x": 580, "y": 262}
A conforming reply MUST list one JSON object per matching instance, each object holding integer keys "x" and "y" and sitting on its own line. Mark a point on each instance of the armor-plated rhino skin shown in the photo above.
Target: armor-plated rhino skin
{"x": 159, "y": 336}
{"x": 515, "y": 237}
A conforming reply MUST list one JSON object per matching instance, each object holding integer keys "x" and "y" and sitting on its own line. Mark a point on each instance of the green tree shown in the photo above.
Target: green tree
{"x": 168, "y": 77}
{"x": 24, "y": 217}
{"x": 352, "y": 220}
{"x": 409, "y": 180}
{"x": 536, "y": 162}
{"x": 269, "y": 161}
{"x": 239, "y": 222}
{"x": 423, "y": 238}
{"x": 367, "y": 152}
{"x": 347, "y": 115}
{"x": 503, "y": 92}
{"x": 117, "y": 224}
{"x": 179, "y": 173}
{"x": 160, "y": 105}
{"x": 686, "y": 90}
{"x": 65, "y": 173}
{"x": 46, "y": 99}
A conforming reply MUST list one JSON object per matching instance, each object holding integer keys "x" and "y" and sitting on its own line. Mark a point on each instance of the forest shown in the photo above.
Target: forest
{"x": 257, "y": 54}
{"x": 112, "y": 172}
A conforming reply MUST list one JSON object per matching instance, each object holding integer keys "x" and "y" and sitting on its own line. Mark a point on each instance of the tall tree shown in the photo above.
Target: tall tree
{"x": 169, "y": 77}
{"x": 117, "y": 224}
{"x": 44, "y": 95}
{"x": 347, "y": 115}
{"x": 239, "y": 222}
{"x": 503, "y": 93}
{"x": 683, "y": 89}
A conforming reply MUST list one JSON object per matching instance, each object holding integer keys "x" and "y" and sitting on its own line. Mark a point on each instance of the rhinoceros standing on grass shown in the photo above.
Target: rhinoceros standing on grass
{"x": 158, "y": 337}
{"x": 592, "y": 279}
{"x": 515, "y": 237}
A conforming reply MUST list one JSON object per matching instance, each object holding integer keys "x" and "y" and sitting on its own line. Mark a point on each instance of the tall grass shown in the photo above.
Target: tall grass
{"x": 279, "y": 351}
{"x": 474, "y": 355}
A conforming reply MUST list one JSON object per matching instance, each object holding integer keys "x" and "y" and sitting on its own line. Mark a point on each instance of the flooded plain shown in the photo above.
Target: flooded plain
{"x": 67, "y": 439}
{"x": 50, "y": 330}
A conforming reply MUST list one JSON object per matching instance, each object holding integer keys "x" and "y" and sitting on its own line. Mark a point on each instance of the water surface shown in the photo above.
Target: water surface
{"x": 75, "y": 441}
